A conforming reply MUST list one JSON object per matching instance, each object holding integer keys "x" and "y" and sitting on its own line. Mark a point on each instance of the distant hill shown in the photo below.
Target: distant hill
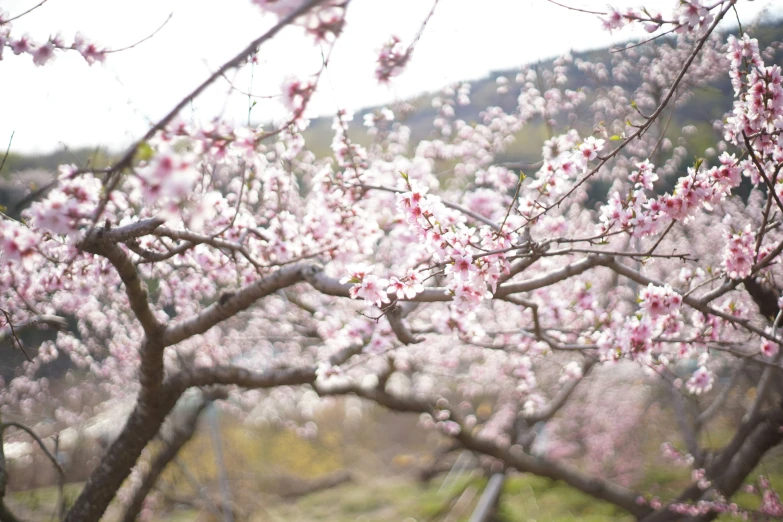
{"x": 701, "y": 110}
{"x": 707, "y": 106}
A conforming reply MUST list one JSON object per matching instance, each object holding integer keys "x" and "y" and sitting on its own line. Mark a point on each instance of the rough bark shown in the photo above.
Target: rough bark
{"x": 182, "y": 434}
{"x": 142, "y": 425}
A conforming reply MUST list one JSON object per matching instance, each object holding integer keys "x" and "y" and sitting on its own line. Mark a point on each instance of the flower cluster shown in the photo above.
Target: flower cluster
{"x": 69, "y": 205}
{"x": 169, "y": 175}
{"x": 771, "y": 504}
{"x": 759, "y": 104}
{"x": 659, "y": 300}
{"x": 17, "y": 242}
{"x": 642, "y": 216}
{"x": 470, "y": 278}
{"x": 565, "y": 159}
{"x": 688, "y": 16}
{"x": 700, "y": 382}
{"x": 44, "y": 52}
{"x": 296, "y": 94}
{"x": 376, "y": 290}
{"x": 738, "y": 255}
{"x": 392, "y": 59}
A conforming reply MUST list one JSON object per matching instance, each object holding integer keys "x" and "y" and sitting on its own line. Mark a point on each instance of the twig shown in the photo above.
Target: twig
{"x": 38, "y": 440}
{"x": 33, "y": 8}
{"x": 8, "y": 149}
{"x": 131, "y": 46}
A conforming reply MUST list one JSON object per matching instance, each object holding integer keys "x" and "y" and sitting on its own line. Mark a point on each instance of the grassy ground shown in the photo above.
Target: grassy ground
{"x": 394, "y": 499}
{"x": 383, "y": 499}
{"x": 382, "y": 455}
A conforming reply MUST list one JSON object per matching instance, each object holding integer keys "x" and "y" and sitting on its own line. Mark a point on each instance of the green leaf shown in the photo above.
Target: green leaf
{"x": 144, "y": 152}
{"x": 616, "y": 138}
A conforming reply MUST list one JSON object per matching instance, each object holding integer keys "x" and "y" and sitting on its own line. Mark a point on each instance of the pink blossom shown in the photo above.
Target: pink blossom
{"x": 296, "y": 94}
{"x": 462, "y": 265}
{"x": 392, "y": 59}
{"x": 739, "y": 253}
{"x": 406, "y": 287}
{"x": 769, "y": 349}
{"x": 589, "y": 149}
{"x": 372, "y": 289}
{"x": 700, "y": 382}
{"x": 644, "y": 177}
{"x": 22, "y": 45}
{"x": 16, "y": 241}
{"x": 43, "y": 54}
{"x": 169, "y": 175}
{"x": 656, "y": 300}
{"x": 89, "y": 51}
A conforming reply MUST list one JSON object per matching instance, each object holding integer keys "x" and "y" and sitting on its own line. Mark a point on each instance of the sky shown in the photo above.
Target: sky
{"x": 68, "y": 103}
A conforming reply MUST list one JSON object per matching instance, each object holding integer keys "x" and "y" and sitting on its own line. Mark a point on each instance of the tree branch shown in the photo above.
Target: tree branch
{"x": 554, "y": 276}
{"x": 695, "y": 303}
{"x": 103, "y": 242}
{"x": 40, "y": 443}
{"x": 513, "y": 457}
{"x": 403, "y": 333}
{"x": 54, "y": 321}
{"x": 233, "y": 304}
{"x": 238, "y": 376}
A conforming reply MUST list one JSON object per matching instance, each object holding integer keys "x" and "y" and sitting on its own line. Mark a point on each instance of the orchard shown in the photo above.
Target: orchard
{"x": 220, "y": 262}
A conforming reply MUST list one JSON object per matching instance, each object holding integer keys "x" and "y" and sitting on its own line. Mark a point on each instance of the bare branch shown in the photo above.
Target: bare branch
{"x": 38, "y": 441}
{"x": 149, "y": 36}
{"x": 54, "y": 321}
{"x": 225, "y": 308}
{"x": 554, "y": 276}
{"x": 103, "y": 243}
{"x": 7, "y": 150}
{"x": 33, "y": 8}
{"x": 238, "y": 376}
{"x": 121, "y": 234}
{"x": 403, "y": 333}
{"x": 560, "y": 399}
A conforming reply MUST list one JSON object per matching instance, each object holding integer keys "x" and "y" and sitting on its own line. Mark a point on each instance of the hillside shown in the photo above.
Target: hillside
{"x": 707, "y": 105}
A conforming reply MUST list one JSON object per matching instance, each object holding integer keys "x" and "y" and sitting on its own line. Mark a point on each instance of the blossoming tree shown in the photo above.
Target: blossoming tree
{"x": 232, "y": 262}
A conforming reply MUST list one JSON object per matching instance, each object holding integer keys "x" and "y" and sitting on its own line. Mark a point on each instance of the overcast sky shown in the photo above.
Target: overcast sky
{"x": 69, "y": 103}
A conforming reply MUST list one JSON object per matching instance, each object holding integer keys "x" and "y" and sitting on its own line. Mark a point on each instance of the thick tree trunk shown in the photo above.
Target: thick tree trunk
{"x": 142, "y": 425}
{"x": 182, "y": 434}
